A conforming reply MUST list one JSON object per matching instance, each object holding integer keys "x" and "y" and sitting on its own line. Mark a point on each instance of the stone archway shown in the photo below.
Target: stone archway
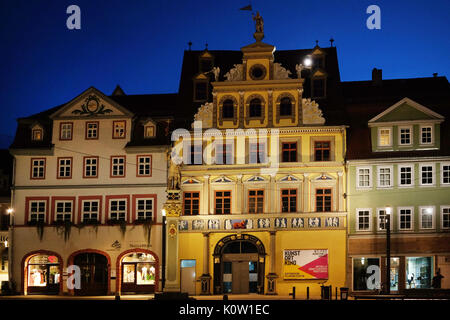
{"x": 239, "y": 265}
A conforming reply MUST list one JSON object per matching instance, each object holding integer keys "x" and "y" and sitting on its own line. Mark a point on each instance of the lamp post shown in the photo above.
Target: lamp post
{"x": 388, "y": 250}
{"x": 163, "y": 278}
{"x": 10, "y": 211}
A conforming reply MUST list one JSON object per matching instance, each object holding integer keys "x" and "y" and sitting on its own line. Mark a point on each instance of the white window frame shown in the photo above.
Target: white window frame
{"x": 433, "y": 174}
{"x": 63, "y": 213}
{"x": 143, "y": 165}
{"x": 86, "y": 165}
{"x": 410, "y": 135}
{"x": 118, "y": 211}
{"x": 358, "y": 210}
{"x": 115, "y": 167}
{"x": 66, "y": 131}
{"x": 145, "y": 210}
{"x": 39, "y": 166}
{"x": 391, "y": 180}
{"x": 90, "y": 210}
{"x": 37, "y": 214}
{"x": 432, "y": 135}
{"x": 442, "y": 216}
{"x": 92, "y": 130}
{"x": 399, "y": 175}
{"x": 442, "y": 173}
{"x": 433, "y": 218}
{"x": 379, "y": 137}
{"x": 67, "y": 168}
{"x": 399, "y": 218}
{"x": 391, "y": 225}
{"x": 358, "y": 186}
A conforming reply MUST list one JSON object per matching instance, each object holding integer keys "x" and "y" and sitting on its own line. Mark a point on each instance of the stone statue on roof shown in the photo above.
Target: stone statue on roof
{"x": 259, "y": 22}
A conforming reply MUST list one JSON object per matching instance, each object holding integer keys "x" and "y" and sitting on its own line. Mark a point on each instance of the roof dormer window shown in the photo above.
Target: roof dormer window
{"x": 149, "y": 131}
{"x": 37, "y": 133}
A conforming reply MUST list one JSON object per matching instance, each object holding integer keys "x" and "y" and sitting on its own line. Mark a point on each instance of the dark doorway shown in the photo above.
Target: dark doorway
{"x": 94, "y": 274}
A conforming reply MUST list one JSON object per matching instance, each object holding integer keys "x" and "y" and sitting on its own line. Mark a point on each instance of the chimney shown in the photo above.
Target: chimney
{"x": 435, "y": 74}
{"x": 377, "y": 77}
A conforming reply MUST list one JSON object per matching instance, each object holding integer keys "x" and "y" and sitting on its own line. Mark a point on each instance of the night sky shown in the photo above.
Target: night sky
{"x": 139, "y": 44}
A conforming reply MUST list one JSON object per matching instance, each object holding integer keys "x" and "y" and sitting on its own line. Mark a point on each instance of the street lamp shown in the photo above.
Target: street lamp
{"x": 163, "y": 278}
{"x": 10, "y": 211}
{"x": 388, "y": 250}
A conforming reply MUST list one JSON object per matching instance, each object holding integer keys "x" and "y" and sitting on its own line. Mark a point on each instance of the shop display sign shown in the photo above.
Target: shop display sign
{"x": 305, "y": 264}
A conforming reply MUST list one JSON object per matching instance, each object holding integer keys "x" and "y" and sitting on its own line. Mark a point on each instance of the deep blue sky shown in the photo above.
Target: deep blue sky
{"x": 139, "y": 44}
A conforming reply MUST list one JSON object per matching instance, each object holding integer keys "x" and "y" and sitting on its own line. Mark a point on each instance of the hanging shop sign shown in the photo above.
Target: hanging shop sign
{"x": 305, "y": 264}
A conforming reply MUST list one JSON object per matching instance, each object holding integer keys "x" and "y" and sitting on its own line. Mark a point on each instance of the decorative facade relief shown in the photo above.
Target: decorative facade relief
{"x": 280, "y": 72}
{"x": 205, "y": 115}
{"x": 236, "y": 73}
{"x": 311, "y": 112}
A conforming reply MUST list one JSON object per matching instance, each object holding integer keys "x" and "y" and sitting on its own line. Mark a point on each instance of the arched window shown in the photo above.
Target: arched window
{"x": 228, "y": 109}
{"x": 285, "y": 106}
{"x": 255, "y": 108}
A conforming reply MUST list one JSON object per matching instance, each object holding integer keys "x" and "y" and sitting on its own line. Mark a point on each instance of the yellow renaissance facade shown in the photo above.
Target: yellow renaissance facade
{"x": 256, "y": 188}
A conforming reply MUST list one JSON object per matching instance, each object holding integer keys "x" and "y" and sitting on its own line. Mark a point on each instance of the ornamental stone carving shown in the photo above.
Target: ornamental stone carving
{"x": 311, "y": 112}
{"x": 236, "y": 73}
{"x": 205, "y": 115}
{"x": 279, "y": 72}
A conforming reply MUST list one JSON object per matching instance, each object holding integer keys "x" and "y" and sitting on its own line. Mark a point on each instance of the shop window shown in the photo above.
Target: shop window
{"x": 65, "y": 131}
{"x": 191, "y": 203}
{"x": 138, "y": 269}
{"x": 222, "y": 202}
{"x": 323, "y": 200}
{"x": 119, "y": 129}
{"x": 255, "y": 201}
{"x": 43, "y": 274}
{"x": 144, "y": 166}
{"x": 418, "y": 272}
{"x": 289, "y": 200}
{"x": 38, "y": 168}
{"x": 289, "y": 152}
{"x": 322, "y": 150}
{"x": 395, "y": 267}
{"x": 92, "y": 130}
{"x": 365, "y": 276}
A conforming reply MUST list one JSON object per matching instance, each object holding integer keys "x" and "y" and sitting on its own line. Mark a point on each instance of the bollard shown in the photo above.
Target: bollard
{"x": 292, "y": 293}
{"x": 307, "y": 293}
{"x": 335, "y": 296}
{"x": 117, "y": 297}
{"x": 225, "y": 297}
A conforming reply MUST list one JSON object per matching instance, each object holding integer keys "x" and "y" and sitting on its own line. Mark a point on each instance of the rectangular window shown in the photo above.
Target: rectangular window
{"x": 92, "y": 130}
{"x": 364, "y": 177}
{"x": 405, "y": 217}
{"x": 384, "y": 137}
{"x": 37, "y": 211}
{"x": 144, "y": 209}
{"x": 257, "y": 153}
{"x": 200, "y": 91}
{"x": 405, "y": 176}
{"x": 119, "y": 129}
{"x": 149, "y": 131}
{"x": 384, "y": 177}
{"x": 255, "y": 201}
{"x": 224, "y": 153}
{"x": 65, "y": 131}
{"x": 90, "y": 210}
{"x": 322, "y": 151}
{"x": 323, "y": 200}
{"x": 289, "y": 200}
{"x": 426, "y": 135}
{"x": 363, "y": 220}
{"x": 426, "y": 174}
{"x": 63, "y": 211}
{"x": 426, "y": 217}
{"x": 90, "y": 167}
{"x": 222, "y": 202}
{"x": 118, "y": 209}
{"x": 289, "y": 152}
{"x": 118, "y": 166}
{"x": 445, "y": 173}
{"x": 38, "y": 168}
{"x": 37, "y": 135}
{"x": 405, "y": 136}
{"x": 445, "y": 217}
{"x": 361, "y": 282}
{"x": 419, "y": 272}
{"x": 64, "y": 168}
{"x": 382, "y": 216}
{"x": 196, "y": 156}
{"x": 144, "y": 166}
{"x": 191, "y": 203}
